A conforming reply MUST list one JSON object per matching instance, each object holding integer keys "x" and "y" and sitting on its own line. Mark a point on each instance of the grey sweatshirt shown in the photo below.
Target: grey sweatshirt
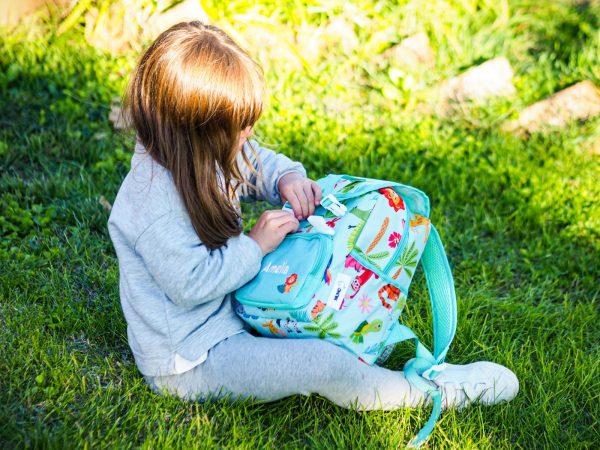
{"x": 175, "y": 292}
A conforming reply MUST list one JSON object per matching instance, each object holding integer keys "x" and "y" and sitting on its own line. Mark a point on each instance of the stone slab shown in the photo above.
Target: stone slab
{"x": 580, "y": 101}
{"x": 493, "y": 78}
{"x": 12, "y": 12}
{"x": 410, "y": 52}
{"x": 126, "y": 24}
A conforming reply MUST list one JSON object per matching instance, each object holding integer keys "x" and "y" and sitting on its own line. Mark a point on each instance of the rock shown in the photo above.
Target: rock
{"x": 13, "y": 12}
{"x": 493, "y": 78}
{"x": 410, "y": 52}
{"x": 126, "y": 24}
{"x": 578, "y": 102}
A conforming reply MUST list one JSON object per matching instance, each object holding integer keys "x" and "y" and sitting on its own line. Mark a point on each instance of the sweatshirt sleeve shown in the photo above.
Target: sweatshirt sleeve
{"x": 271, "y": 167}
{"x": 186, "y": 270}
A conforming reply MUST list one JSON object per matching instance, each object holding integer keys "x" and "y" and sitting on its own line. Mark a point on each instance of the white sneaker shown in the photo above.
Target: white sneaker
{"x": 479, "y": 382}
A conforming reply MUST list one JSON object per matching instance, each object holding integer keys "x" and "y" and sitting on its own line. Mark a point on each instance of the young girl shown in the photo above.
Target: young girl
{"x": 176, "y": 229}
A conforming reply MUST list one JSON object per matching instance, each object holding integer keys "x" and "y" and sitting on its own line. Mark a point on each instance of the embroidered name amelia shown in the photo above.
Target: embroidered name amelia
{"x": 282, "y": 268}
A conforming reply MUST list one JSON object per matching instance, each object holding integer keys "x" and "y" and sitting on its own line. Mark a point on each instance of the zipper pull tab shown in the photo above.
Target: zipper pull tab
{"x": 319, "y": 225}
{"x": 332, "y": 204}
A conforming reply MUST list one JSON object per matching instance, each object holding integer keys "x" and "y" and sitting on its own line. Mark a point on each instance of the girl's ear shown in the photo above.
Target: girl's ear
{"x": 247, "y": 132}
{"x": 244, "y": 135}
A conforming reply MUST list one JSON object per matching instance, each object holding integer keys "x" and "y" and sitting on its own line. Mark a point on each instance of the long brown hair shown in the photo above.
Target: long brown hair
{"x": 190, "y": 97}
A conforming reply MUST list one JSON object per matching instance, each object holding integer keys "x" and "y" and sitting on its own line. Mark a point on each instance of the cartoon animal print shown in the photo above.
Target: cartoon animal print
{"x": 420, "y": 220}
{"x": 291, "y": 326}
{"x": 365, "y": 328}
{"x": 289, "y": 283}
{"x": 317, "y": 309}
{"x": 360, "y": 280}
{"x": 394, "y": 199}
{"x": 273, "y": 329}
{"x": 327, "y": 272}
{"x": 392, "y": 292}
{"x": 351, "y": 262}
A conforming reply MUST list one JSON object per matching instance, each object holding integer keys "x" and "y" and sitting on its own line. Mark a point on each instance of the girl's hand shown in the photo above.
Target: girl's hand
{"x": 271, "y": 227}
{"x": 302, "y": 193}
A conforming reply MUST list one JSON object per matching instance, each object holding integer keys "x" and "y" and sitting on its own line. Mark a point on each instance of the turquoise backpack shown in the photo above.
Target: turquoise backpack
{"x": 344, "y": 276}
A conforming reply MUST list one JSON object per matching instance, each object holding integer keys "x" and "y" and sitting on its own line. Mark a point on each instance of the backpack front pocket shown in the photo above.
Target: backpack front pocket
{"x": 382, "y": 234}
{"x": 290, "y": 275}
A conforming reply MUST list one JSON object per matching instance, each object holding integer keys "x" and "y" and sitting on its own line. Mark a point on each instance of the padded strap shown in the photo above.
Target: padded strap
{"x": 426, "y": 366}
{"x": 441, "y": 292}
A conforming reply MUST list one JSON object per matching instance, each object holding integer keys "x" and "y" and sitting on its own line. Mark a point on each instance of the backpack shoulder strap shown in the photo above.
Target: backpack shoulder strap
{"x": 441, "y": 292}
{"x": 425, "y": 366}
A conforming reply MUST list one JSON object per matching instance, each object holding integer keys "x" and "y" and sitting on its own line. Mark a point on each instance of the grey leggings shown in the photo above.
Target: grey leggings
{"x": 269, "y": 369}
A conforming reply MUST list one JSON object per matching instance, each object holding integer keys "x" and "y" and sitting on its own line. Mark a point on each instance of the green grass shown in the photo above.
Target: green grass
{"x": 520, "y": 220}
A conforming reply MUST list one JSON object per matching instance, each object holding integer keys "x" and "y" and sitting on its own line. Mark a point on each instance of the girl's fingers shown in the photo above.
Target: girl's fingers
{"x": 274, "y": 214}
{"x": 280, "y": 219}
{"x": 303, "y": 201}
{"x": 310, "y": 198}
{"x": 295, "y": 203}
{"x": 303, "y": 197}
{"x": 317, "y": 193}
{"x": 290, "y": 225}
{"x": 298, "y": 202}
